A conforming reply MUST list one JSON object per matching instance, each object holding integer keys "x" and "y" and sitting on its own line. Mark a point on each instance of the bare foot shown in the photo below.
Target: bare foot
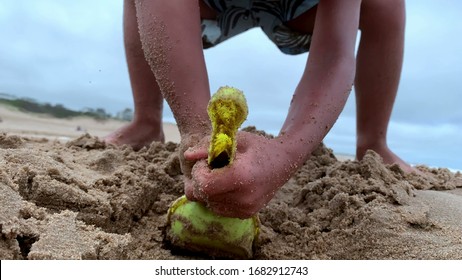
{"x": 136, "y": 134}
{"x": 388, "y": 158}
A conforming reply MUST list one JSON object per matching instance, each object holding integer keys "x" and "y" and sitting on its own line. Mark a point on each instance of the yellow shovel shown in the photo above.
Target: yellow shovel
{"x": 191, "y": 225}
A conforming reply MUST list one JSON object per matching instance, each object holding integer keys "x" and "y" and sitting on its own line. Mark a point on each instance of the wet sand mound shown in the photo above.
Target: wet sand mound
{"x": 86, "y": 200}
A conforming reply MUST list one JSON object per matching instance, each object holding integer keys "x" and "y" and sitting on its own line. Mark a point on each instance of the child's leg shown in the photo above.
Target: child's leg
{"x": 379, "y": 63}
{"x": 147, "y": 123}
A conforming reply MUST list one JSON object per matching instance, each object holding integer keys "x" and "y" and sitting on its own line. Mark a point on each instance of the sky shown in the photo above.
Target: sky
{"x": 71, "y": 53}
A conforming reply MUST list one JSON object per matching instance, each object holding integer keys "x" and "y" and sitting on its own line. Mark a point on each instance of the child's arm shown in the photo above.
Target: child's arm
{"x": 172, "y": 43}
{"x": 261, "y": 165}
{"x": 171, "y": 39}
{"x": 328, "y": 76}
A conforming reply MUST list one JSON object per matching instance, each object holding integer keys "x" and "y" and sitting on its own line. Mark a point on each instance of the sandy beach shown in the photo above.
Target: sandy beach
{"x": 64, "y": 194}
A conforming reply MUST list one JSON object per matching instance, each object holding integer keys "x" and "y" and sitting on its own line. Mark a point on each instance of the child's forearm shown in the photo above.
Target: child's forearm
{"x": 315, "y": 107}
{"x": 171, "y": 39}
{"x": 327, "y": 80}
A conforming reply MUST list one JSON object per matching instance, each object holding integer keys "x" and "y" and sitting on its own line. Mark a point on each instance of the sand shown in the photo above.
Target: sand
{"x": 77, "y": 198}
{"x": 43, "y": 126}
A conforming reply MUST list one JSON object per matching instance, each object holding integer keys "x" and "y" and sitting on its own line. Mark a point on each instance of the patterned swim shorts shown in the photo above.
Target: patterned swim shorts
{"x": 237, "y": 16}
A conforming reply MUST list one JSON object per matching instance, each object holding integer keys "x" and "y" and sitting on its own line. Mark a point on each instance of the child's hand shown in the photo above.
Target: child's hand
{"x": 196, "y": 146}
{"x": 260, "y": 168}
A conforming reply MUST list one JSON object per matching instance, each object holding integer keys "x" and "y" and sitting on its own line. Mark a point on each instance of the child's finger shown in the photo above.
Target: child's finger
{"x": 210, "y": 182}
{"x": 228, "y": 205}
{"x": 196, "y": 153}
{"x": 189, "y": 190}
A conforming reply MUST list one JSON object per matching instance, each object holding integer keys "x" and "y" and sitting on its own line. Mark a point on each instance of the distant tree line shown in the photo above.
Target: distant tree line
{"x": 59, "y": 111}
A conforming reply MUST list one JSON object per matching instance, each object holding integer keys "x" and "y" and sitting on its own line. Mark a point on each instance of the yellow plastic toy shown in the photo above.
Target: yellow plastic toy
{"x": 227, "y": 111}
{"x": 191, "y": 225}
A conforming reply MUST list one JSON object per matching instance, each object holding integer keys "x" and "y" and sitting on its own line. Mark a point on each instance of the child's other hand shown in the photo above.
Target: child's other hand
{"x": 241, "y": 189}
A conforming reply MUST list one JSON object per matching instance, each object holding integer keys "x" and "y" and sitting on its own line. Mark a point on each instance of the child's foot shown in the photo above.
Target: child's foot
{"x": 136, "y": 134}
{"x": 388, "y": 157}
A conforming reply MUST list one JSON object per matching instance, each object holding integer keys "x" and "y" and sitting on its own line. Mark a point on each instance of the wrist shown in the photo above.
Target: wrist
{"x": 291, "y": 154}
{"x": 194, "y": 126}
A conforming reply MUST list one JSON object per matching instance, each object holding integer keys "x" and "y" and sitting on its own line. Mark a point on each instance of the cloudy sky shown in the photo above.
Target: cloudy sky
{"x": 71, "y": 53}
